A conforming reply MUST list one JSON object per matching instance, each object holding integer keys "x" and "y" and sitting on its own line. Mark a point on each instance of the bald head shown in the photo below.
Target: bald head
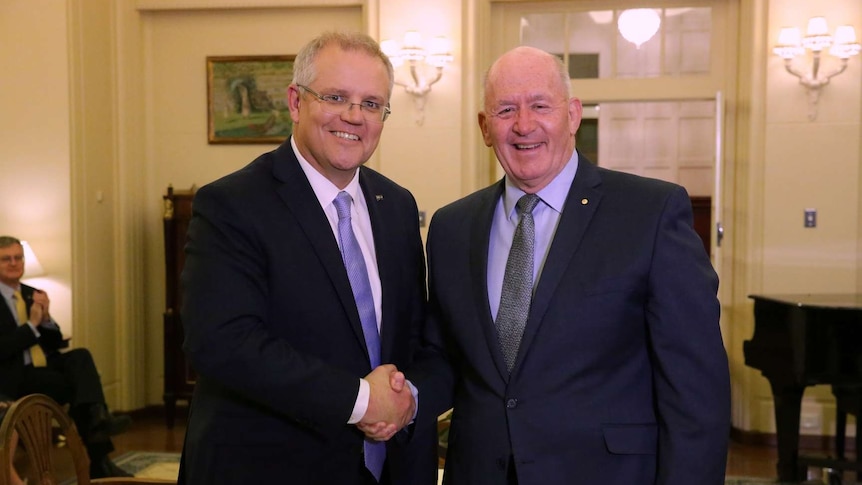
{"x": 525, "y": 59}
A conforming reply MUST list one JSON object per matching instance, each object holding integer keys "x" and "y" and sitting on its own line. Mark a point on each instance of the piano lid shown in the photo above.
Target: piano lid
{"x": 851, "y": 301}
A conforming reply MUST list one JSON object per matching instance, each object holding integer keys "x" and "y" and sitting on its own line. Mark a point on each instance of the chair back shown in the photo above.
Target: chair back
{"x": 30, "y": 422}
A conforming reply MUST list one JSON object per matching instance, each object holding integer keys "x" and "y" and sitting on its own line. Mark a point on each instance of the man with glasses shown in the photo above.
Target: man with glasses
{"x": 31, "y": 362}
{"x": 304, "y": 293}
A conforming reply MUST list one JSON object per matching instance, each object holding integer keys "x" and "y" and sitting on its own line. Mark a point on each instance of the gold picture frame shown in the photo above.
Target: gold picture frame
{"x": 247, "y": 98}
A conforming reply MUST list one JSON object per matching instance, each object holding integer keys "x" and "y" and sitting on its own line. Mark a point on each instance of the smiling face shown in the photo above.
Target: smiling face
{"x": 529, "y": 118}
{"x": 337, "y": 144}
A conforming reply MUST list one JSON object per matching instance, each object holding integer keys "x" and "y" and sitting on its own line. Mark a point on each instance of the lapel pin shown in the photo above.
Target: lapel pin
{"x": 585, "y": 201}
{"x": 379, "y": 197}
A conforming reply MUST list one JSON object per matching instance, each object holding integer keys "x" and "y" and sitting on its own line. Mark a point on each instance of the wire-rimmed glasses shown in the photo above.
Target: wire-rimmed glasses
{"x": 337, "y": 104}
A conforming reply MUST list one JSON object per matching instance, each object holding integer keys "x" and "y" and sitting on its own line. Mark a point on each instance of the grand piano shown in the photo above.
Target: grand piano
{"x": 800, "y": 341}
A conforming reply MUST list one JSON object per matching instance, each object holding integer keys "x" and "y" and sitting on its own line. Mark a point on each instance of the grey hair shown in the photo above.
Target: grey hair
{"x": 6, "y": 241}
{"x": 304, "y": 71}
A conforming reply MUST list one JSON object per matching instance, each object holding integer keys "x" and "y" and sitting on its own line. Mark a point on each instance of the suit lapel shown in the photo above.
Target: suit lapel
{"x": 581, "y": 204}
{"x": 300, "y": 200}
{"x": 479, "y": 241}
{"x": 385, "y": 264}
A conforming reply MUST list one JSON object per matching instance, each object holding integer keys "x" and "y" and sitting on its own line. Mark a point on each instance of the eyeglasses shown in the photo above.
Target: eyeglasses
{"x": 511, "y": 112}
{"x": 336, "y": 104}
{"x": 8, "y": 259}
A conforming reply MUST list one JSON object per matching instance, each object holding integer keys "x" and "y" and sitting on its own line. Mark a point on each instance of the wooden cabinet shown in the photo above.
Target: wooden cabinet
{"x": 702, "y": 209}
{"x": 179, "y": 377}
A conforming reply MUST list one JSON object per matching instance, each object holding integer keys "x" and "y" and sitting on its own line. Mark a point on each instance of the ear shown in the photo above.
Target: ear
{"x": 576, "y": 112}
{"x": 483, "y": 125}
{"x": 293, "y": 102}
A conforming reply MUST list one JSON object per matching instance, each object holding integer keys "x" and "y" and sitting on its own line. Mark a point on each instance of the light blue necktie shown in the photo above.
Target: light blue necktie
{"x": 354, "y": 262}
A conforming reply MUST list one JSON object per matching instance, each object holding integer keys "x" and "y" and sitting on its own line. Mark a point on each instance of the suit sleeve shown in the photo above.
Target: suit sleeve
{"x": 226, "y": 321}
{"x": 13, "y": 344}
{"x": 692, "y": 383}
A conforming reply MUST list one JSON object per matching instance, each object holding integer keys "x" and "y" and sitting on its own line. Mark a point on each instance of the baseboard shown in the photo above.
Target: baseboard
{"x": 806, "y": 441}
{"x": 158, "y": 410}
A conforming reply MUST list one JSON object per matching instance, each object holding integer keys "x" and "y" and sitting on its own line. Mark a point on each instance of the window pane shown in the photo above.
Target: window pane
{"x": 592, "y": 46}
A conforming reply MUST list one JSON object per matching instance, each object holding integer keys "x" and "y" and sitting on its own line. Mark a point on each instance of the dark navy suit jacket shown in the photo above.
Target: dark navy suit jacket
{"x": 14, "y": 339}
{"x": 273, "y": 331}
{"x": 621, "y": 376}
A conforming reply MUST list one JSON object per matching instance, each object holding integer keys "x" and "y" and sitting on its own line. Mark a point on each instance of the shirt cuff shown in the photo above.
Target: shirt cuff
{"x": 360, "y": 407}
{"x": 415, "y": 393}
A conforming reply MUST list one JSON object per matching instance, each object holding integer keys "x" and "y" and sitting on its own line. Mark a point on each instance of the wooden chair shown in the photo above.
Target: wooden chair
{"x": 30, "y": 422}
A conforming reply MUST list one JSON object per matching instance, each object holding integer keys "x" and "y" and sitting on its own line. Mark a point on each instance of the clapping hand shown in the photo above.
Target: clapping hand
{"x": 40, "y": 306}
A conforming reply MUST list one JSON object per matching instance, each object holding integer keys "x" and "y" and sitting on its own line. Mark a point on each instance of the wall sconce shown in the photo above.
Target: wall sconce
{"x": 426, "y": 65}
{"x": 791, "y": 44}
{"x": 32, "y": 267}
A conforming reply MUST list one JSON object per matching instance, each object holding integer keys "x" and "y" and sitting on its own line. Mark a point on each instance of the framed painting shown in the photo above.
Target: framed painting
{"x": 247, "y": 98}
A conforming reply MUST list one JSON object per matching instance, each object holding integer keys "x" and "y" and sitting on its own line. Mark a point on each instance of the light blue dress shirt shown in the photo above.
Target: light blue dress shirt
{"x": 546, "y": 216}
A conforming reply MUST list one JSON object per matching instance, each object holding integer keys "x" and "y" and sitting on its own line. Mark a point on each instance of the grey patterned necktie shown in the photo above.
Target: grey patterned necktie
{"x": 517, "y": 282}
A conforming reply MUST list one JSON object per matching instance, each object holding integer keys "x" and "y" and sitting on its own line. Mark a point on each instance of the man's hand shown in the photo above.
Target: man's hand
{"x": 40, "y": 299}
{"x": 36, "y": 313}
{"x": 390, "y": 406}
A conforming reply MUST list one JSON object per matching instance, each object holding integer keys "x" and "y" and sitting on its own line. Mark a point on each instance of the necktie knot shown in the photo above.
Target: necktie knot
{"x": 526, "y": 204}
{"x": 342, "y": 205}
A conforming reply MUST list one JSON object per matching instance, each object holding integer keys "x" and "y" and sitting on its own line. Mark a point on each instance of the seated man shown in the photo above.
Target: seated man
{"x": 30, "y": 362}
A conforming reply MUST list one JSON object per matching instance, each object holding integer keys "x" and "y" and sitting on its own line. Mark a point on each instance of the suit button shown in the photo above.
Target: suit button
{"x": 501, "y": 463}
{"x": 512, "y": 403}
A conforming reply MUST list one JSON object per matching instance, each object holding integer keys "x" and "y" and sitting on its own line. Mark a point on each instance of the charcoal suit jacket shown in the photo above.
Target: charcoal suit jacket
{"x": 273, "y": 332}
{"x": 621, "y": 377}
{"x": 15, "y": 339}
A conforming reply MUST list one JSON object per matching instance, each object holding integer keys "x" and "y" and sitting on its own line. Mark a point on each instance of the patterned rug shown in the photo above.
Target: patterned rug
{"x": 150, "y": 464}
{"x": 146, "y": 464}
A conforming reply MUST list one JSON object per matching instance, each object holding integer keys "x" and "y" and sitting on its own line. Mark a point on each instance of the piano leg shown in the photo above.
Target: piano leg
{"x": 788, "y": 405}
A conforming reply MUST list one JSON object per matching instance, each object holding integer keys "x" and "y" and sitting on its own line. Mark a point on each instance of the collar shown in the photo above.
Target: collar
{"x": 553, "y": 195}
{"x": 323, "y": 188}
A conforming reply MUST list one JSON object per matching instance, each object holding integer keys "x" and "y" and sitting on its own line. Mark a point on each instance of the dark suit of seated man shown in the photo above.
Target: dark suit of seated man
{"x": 30, "y": 362}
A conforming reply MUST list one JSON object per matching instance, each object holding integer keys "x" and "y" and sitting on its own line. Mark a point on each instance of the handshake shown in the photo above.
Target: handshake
{"x": 390, "y": 406}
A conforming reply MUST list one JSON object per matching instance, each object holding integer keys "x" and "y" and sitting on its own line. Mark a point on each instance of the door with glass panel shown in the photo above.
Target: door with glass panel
{"x": 650, "y": 79}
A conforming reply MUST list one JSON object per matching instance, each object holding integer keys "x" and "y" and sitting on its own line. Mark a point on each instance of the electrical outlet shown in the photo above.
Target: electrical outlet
{"x": 810, "y": 217}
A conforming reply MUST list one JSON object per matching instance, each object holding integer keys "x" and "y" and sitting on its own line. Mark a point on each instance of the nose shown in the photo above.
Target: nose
{"x": 353, "y": 116}
{"x": 524, "y": 122}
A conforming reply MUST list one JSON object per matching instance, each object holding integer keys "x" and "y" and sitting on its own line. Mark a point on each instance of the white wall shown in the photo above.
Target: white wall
{"x": 34, "y": 136}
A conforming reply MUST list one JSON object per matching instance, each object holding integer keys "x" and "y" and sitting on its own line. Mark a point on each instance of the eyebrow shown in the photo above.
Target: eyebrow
{"x": 344, "y": 92}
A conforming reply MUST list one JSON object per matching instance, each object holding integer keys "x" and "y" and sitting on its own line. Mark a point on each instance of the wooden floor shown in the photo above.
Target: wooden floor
{"x": 149, "y": 433}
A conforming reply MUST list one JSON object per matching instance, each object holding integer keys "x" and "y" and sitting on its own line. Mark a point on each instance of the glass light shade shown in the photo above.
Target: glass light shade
{"x": 412, "y": 40}
{"x": 440, "y": 45}
{"x": 390, "y": 48}
{"x": 789, "y": 43}
{"x": 638, "y": 25}
{"x": 845, "y": 42}
{"x": 439, "y": 52}
{"x": 845, "y": 34}
{"x": 602, "y": 17}
{"x": 817, "y": 26}
{"x": 790, "y": 36}
{"x": 817, "y": 37}
{"x": 32, "y": 266}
